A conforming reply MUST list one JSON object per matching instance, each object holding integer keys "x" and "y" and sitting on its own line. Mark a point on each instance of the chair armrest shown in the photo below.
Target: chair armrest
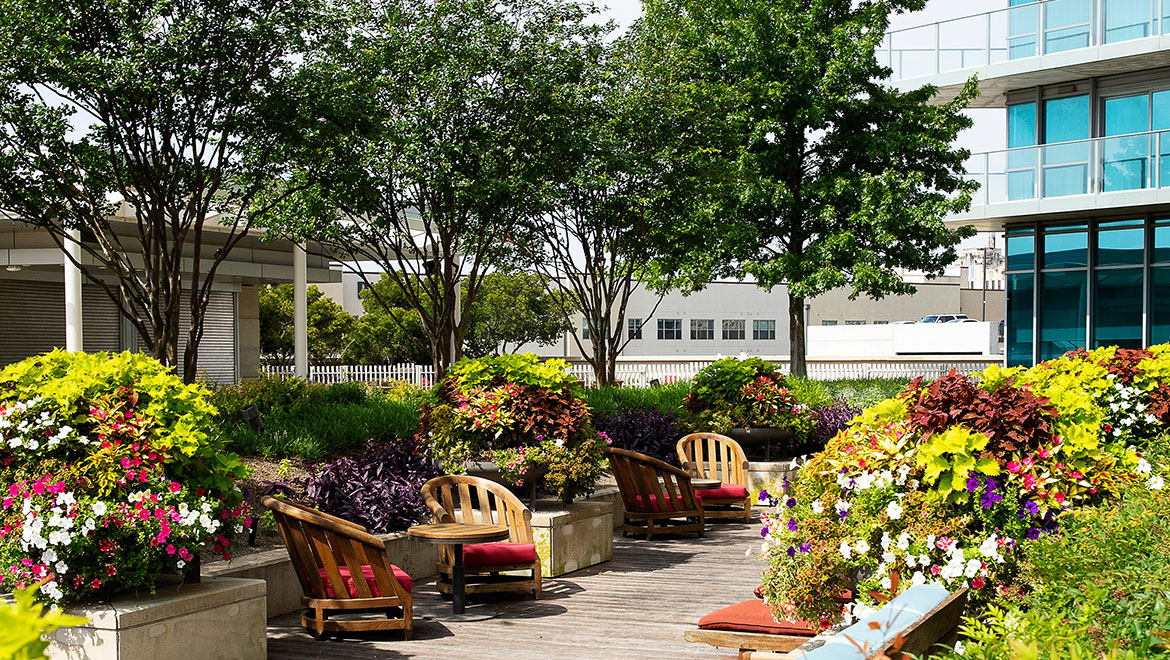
{"x": 440, "y": 513}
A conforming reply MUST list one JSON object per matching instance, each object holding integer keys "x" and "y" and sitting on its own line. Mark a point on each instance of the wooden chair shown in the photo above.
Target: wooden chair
{"x": 658, "y": 496}
{"x": 460, "y": 498}
{"x": 714, "y": 456}
{"x": 342, "y": 568}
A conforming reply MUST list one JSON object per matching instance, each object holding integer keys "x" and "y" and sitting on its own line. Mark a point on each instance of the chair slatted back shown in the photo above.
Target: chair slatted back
{"x": 457, "y": 497}
{"x": 317, "y": 541}
{"x": 640, "y": 476}
{"x": 713, "y": 456}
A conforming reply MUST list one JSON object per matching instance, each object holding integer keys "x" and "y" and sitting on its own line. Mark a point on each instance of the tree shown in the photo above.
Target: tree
{"x": 181, "y": 109}
{"x": 388, "y": 332}
{"x": 837, "y": 180}
{"x": 609, "y": 212}
{"x": 329, "y": 326}
{"x": 513, "y": 309}
{"x": 454, "y": 96}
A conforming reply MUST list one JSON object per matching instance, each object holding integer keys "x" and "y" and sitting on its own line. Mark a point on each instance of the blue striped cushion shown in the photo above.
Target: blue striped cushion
{"x": 910, "y": 606}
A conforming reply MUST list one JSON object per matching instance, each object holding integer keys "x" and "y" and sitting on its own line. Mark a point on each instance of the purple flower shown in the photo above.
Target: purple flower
{"x": 763, "y": 496}
{"x": 806, "y": 546}
{"x": 791, "y": 551}
{"x": 990, "y": 483}
{"x": 764, "y": 533}
{"x": 791, "y": 503}
{"x": 786, "y": 483}
{"x": 843, "y": 513}
{"x": 1033, "y": 533}
{"x": 792, "y": 524}
{"x": 972, "y": 484}
{"x": 1032, "y": 508}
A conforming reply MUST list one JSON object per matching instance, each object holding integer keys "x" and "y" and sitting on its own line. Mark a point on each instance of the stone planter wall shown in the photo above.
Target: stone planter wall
{"x": 217, "y": 619}
{"x": 571, "y": 537}
{"x": 769, "y": 476}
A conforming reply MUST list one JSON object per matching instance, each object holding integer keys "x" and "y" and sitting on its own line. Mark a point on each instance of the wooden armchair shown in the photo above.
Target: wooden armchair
{"x": 460, "y": 498}
{"x": 657, "y": 496}
{"x": 342, "y": 568}
{"x": 714, "y": 456}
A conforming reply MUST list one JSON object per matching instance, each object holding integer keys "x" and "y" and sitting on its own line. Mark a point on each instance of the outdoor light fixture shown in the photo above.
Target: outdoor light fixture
{"x": 251, "y": 415}
{"x": 14, "y": 269}
{"x": 654, "y": 382}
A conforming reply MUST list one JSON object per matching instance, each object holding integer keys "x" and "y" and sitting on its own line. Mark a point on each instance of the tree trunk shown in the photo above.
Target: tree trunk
{"x": 796, "y": 334}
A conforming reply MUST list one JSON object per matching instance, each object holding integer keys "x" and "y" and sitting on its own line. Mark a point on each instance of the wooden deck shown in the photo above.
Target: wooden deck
{"x": 635, "y": 606}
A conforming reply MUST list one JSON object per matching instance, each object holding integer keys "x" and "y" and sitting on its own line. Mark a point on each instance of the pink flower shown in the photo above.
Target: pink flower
{"x": 1013, "y": 467}
{"x": 1030, "y": 481}
{"x": 171, "y": 549}
{"x": 1043, "y": 453}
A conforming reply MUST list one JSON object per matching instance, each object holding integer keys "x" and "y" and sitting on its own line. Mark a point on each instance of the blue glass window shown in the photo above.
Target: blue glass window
{"x": 1161, "y": 253}
{"x": 1066, "y": 166}
{"x": 1066, "y": 25}
{"x": 1160, "y": 121}
{"x": 1018, "y": 326}
{"x": 1023, "y": 26}
{"x": 1021, "y": 252}
{"x": 1159, "y": 305}
{"x": 1117, "y": 308}
{"x": 1066, "y": 250}
{"x": 1126, "y": 19}
{"x": 1063, "y": 302}
{"x": 1125, "y": 159}
{"x": 1021, "y": 172}
{"x": 1119, "y": 247}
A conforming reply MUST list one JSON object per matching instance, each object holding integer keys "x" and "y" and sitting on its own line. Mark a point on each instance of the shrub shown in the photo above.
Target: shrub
{"x": 378, "y": 487}
{"x": 109, "y": 475}
{"x": 831, "y": 420}
{"x": 24, "y": 624}
{"x": 957, "y": 482}
{"x": 864, "y": 392}
{"x": 669, "y": 398}
{"x": 746, "y": 393}
{"x": 518, "y": 413}
{"x": 644, "y": 429}
{"x": 314, "y": 421}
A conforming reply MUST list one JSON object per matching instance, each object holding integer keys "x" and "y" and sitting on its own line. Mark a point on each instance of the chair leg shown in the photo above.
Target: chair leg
{"x": 649, "y": 529}
{"x": 536, "y": 576}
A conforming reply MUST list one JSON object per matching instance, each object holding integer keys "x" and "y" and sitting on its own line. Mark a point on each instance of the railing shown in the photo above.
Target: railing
{"x": 642, "y": 374}
{"x": 1012, "y": 33}
{"x": 1098, "y": 165}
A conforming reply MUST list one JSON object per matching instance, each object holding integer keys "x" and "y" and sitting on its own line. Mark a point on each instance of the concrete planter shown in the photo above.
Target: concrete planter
{"x": 769, "y": 476}
{"x": 570, "y": 537}
{"x": 217, "y": 619}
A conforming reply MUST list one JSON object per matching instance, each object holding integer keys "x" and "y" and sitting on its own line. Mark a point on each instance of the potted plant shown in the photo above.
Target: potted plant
{"x": 517, "y": 420}
{"x": 748, "y": 401}
{"x": 110, "y": 476}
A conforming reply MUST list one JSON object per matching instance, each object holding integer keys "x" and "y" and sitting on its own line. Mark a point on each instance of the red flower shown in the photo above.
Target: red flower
{"x": 111, "y": 571}
{"x": 977, "y": 583}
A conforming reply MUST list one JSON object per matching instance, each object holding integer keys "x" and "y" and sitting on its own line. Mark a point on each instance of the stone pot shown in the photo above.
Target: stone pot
{"x": 490, "y": 471}
{"x": 755, "y": 436}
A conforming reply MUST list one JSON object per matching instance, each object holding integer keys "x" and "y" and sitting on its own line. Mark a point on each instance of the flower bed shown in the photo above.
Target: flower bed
{"x": 954, "y": 481}
{"x": 109, "y": 475}
{"x": 519, "y": 413}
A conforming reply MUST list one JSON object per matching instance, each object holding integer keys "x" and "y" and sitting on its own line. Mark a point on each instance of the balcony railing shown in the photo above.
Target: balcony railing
{"x": 1013, "y": 33}
{"x": 1099, "y": 165}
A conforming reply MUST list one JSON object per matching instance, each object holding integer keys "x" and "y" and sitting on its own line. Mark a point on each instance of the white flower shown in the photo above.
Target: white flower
{"x": 1156, "y": 482}
{"x": 845, "y": 550}
{"x": 886, "y": 540}
{"x": 842, "y": 507}
{"x": 861, "y": 546}
{"x": 1143, "y": 466}
{"x": 911, "y": 560}
{"x": 865, "y": 480}
{"x": 99, "y": 508}
{"x": 49, "y": 556}
{"x": 180, "y": 564}
{"x": 930, "y": 540}
{"x": 817, "y": 507}
{"x": 923, "y": 560}
{"x": 888, "y": 557}
{"x": 887, "y": 584}
{"x": 894, "y": 510}
{"x": 862, "y": 611}
{"x": 844, "y": 481}
{"x": 959, "y": 648}
{"x": 903, "y": 541}
{"x": 918, "y": 578}
{"x": 62, "y": 568}
{"x": 990, "y": 547}
{"x": 972, "y": 568}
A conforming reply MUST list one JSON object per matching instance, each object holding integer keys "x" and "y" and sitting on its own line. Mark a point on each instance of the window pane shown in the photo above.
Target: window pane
{"x": 634, "y": 328}
{"x": 1021, "y": 252}
{"x": 733, "y": 329}
{"x": 1018, "y": 332}
{"x": 1125, "y": 159}
{"x": 1021, "y": 125}
{"x": 1117, "y": 247}
{"x": 702, "y": 328}
{"x": 1066, "y": 250}
{"x": 1159, "y": 305}
{"x": 1117, "y": 308}
{"x": 1023, "y": 24}
{"x": 1126, "y": 19}
{"x": 1021, "y": 165}
{"x": 1160, "y": 121}
{"x": 1066, "y": 119}
{"x": 1161, "y": 244}
{"x": 1066, "y": 25}
{"x": 764, "y": 330}
{"x": 1062, "y": 318}
{"x": 1066, "y": 166}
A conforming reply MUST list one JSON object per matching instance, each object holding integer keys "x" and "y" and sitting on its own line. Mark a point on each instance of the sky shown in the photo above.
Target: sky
{"x": 989, "y": 131}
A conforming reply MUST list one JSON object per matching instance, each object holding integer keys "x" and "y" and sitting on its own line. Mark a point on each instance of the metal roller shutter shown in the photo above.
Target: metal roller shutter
{"x": 32, "y": 319}
{"x": 217, "y": 351}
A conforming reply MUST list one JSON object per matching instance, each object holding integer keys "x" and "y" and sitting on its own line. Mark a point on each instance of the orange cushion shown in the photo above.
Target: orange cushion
{"x": 724, "y": 492}
{"x": 491, "y": 554}
{"x": 754, "y": 616}
{"x": 653, "y": 503}
{"x": 400, "y": 574}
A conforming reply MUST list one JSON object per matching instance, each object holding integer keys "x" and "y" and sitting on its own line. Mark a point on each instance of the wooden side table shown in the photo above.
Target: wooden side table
{"x": 700, "y": 483}
{"x": 457, "y": 534}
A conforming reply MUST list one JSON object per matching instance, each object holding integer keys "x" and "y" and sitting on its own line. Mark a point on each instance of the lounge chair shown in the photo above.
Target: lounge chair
{"x": 714, "y": 456}
{"x": 658, "y": 497}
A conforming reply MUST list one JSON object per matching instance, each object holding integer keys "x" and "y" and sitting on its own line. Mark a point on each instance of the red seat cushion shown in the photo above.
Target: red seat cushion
{"x": 725, "y": 492}
{"x": 400, "y": 574}
{"x": 492, "y": 554}
{"x": 653, "y": 503}
{"x": 754, "y": 616}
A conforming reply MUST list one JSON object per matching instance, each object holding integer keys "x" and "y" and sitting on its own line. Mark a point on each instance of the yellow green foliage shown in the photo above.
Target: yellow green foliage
{"x": 23, "y": 624}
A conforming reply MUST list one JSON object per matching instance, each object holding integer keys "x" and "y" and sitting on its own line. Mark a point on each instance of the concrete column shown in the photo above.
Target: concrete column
{"x": 300, "y": 311}
{"x": 73, "y": 333}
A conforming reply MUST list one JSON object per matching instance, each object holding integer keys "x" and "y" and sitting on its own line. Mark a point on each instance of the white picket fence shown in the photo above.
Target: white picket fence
{"x": 642, "y": 374}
